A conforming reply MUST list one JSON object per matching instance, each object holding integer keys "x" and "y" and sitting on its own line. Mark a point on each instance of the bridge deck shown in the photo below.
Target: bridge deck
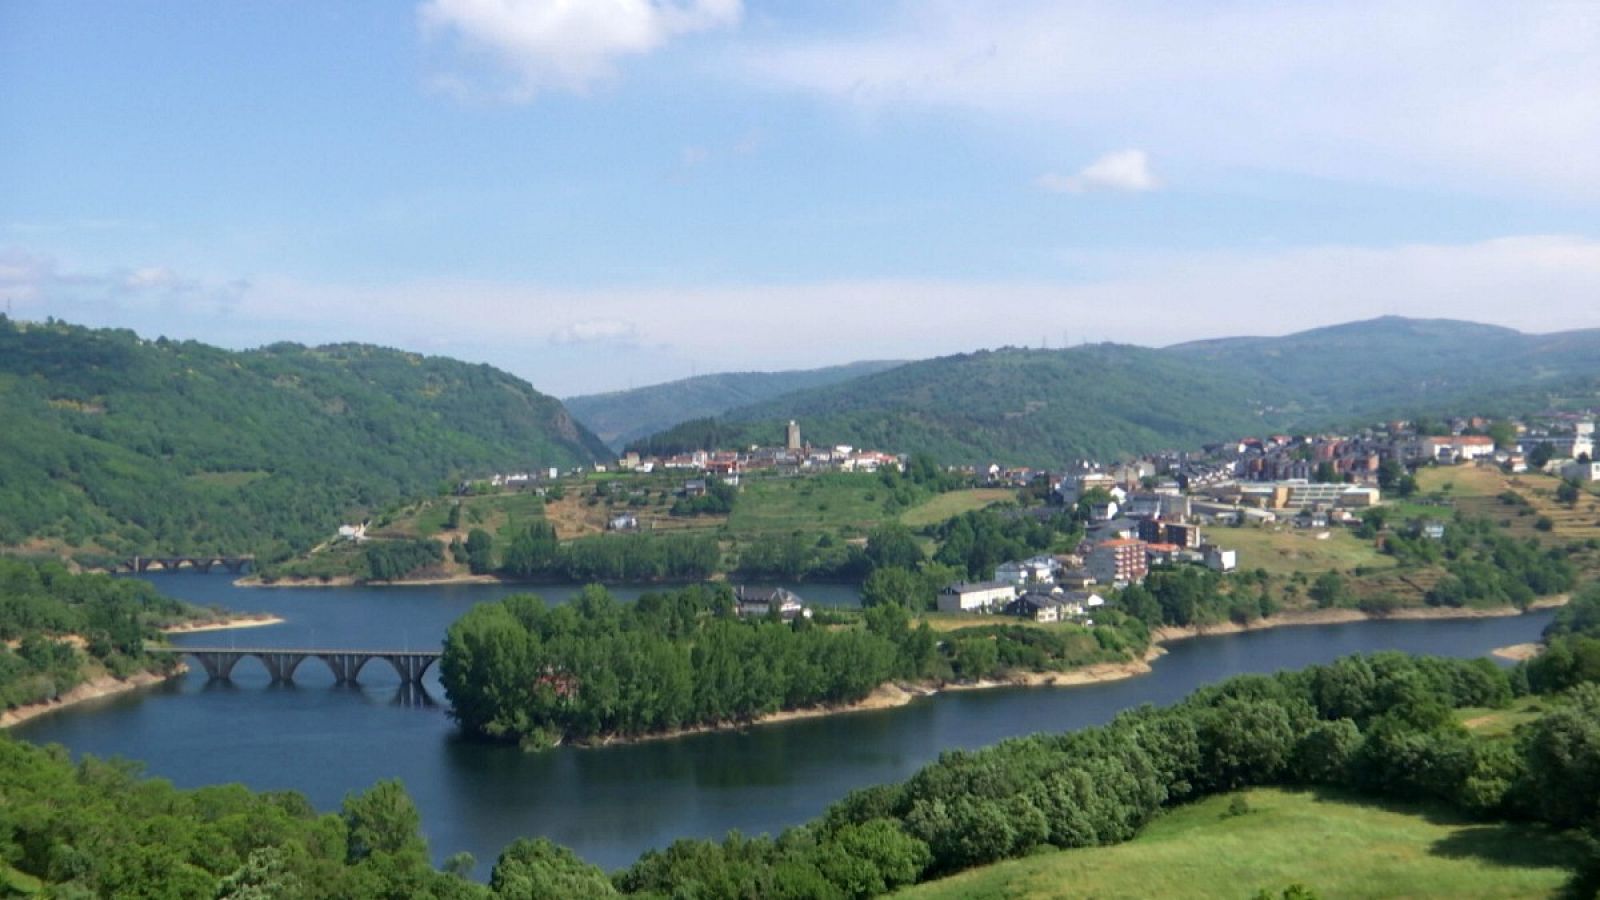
{"x": 304, "y": 651}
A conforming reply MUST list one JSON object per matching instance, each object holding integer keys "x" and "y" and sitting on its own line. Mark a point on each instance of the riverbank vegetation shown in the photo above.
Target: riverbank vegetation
{"x": 59, "y": 629}
{"x": 595, "y": 669}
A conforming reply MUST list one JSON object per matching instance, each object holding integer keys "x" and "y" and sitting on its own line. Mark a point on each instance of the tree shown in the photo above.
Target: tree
{"x": 893, "y": 544}
{"x": 1504, "y": 434}
{"x": 1568, "y": 492}
{"x": 541, "y": 870}
{"x": 1390, "y": 471}
{"x": 1328, "y": 590}
{"x": 480, "y": 551}
{"x": 1540, "y": 456}
{"x": 382, "y": 820}
{"x": 893, "y": 585}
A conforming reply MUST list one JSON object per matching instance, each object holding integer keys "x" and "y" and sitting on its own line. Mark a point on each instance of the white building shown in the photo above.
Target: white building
{"x": 1034, "y": 570}
{"x": 1220, "y": 560}
{"x": 983, "y": 596}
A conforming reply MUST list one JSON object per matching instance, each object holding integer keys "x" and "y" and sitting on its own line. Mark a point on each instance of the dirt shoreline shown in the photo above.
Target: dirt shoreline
{"x": 253, "y": 620}
{"x": 93, "y": 689}
{"x": 1169, "y": 633}
{"x": 109, "y": 686}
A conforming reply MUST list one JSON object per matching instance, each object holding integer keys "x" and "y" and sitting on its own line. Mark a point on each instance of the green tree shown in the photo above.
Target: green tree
{"x": 382, "y": 820}
{"x": 480, "y": 551}
{"x": 894, "y": 585}
{"x": 540, "y": 870}
{"x": 893, "y": 545}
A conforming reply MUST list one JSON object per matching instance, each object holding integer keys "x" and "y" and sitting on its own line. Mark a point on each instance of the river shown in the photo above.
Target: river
{"x": 609, "y": 804}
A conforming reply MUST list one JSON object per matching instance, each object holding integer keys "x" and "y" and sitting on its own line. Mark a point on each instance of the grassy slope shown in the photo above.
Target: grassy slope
{"x": 1285, "y": 549}
{"x": 1338, "y": 847}
{"x": 954, "y": 503}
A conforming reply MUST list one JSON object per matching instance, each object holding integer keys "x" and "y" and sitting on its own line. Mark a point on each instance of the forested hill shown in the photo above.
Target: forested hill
{"x": 118, "y": 444}
{"x": 1104, "y": 401}
{"x": 620, "y": 417}
{"x": 1021, "y": 406}
{"x": 1394, "y": 364}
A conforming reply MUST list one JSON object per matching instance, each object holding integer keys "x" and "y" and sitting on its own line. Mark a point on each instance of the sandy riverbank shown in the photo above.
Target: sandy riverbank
{"x": 93, "y": 689}
{"x": 256, "y": 620}
{"x": 1296, "y": 618}
{"x": 897, "y": 694}
{"x": 1518, "y": 652}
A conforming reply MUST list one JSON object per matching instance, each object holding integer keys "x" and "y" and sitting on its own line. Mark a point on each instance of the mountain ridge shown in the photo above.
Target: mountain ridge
{"x": 1226, "y": 386}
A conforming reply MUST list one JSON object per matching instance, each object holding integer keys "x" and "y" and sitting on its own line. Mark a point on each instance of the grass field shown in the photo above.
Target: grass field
{"x": 1501, "y": 722}
{"x": 1284, "y": 549}
{"x": 949, "y": 505}
{"x": 1337, "y": 847}
{"x": 848, "y": 503}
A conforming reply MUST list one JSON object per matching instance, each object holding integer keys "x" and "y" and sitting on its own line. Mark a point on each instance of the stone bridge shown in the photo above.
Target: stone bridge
{"x": 281, "y": 663}
{"x": 201, "y": 563}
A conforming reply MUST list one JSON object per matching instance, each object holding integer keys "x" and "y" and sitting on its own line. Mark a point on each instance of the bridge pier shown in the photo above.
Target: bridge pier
{"x": 346, "y": 667}
{"x": 410, "y": 666}
{"x": 218, "y": 665}
{"x": 281, "y": 666}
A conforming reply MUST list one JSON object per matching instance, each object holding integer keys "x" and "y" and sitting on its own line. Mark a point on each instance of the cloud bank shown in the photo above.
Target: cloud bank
{"x": 580, "y": 341}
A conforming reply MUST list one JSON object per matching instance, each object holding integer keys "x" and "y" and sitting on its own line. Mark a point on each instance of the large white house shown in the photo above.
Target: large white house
{"x": 982, "y": 596}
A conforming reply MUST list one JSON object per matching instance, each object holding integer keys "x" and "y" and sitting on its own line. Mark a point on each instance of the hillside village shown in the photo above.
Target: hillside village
{"x": 1163, "y": 509}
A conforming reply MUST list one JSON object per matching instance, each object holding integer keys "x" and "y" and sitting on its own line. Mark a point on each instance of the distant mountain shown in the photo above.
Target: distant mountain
{"x": 620, "y": 417}
{"x": 114, "y": 443}
{"x": 1009, "y": 406}
{"x": 1399, "y": 365}
{"x": 1105, "y": 401}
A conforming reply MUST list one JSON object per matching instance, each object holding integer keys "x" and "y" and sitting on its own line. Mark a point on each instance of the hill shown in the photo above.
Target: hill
{"x": 1105, "y": 401}
{"x": 1363, "y": 849}
{"x": 1400, "y": 365}
{"x": 620, "y": 417}
{"x": 117, "y": 444}
{"x": 1009, "y": 406}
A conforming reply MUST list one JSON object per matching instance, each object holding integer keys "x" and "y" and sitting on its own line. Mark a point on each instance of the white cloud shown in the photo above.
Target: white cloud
{"x": 39, "y": 285}
{"x": 1477, "y": 95}
{"x": 596, "y": 331}
{"x": 1123, "y": 170}
{"x": 565, "y": 44}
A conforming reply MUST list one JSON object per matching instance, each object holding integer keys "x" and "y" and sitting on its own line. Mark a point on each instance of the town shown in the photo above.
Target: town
{"x": 1158, "y": 510}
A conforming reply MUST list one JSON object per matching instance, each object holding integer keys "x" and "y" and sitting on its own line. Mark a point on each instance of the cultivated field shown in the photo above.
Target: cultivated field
{"x": 949, "y": 505}
{"x": 1283, "y": 549}
{"x": 845, "y": 503}
{"x": 1337, "y": 847}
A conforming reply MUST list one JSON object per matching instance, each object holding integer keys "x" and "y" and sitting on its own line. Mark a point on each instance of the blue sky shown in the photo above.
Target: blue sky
{"x": 603, "y": 193}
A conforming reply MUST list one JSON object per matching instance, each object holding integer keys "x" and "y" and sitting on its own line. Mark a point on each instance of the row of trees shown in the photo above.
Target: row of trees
{"x": 519, "y": 670}
{"x": 66, "y": 626}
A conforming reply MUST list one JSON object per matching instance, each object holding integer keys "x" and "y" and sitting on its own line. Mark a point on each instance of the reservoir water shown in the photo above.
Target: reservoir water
{"x": 609, "y": 804}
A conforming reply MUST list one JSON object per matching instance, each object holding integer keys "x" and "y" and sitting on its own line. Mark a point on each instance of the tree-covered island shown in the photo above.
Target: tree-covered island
{"x": 595, "y": 669}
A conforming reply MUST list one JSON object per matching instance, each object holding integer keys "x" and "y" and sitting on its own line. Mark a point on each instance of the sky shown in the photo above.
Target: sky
{"x": 599, "y": 194}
